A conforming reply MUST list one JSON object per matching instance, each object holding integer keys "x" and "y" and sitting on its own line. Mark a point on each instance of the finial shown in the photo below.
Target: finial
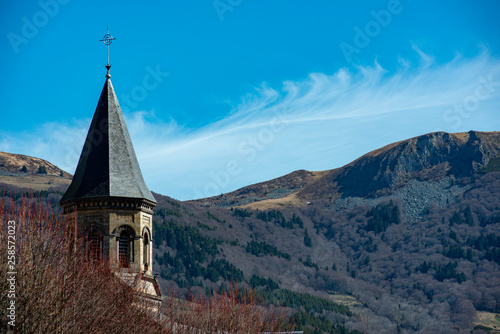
{"x": 107, "y": 40}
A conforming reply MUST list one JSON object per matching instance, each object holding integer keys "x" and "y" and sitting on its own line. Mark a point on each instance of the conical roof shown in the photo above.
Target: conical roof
{"x": 108, "y": 166}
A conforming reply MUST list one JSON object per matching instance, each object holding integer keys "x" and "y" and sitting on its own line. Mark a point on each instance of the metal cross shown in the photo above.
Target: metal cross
{"x": 107, "y": 40}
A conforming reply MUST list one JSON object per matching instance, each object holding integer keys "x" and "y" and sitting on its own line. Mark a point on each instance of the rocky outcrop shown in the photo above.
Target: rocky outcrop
{"x": 429, "y": 157}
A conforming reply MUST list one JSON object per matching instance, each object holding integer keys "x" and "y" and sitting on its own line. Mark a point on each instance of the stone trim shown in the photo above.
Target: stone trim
{"x": 115, "y": 203}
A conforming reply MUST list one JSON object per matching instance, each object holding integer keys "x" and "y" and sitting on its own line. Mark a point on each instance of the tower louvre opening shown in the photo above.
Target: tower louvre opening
{"x": 125, "y": 253}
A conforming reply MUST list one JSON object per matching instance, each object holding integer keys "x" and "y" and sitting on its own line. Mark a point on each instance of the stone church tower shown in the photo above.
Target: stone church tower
{"x": 108, "y": 201}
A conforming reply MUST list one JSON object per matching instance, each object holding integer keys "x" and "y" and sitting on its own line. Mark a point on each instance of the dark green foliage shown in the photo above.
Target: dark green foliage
{"x": 277, "y": 217}
{"x": 442, "y": 271}
{"x": 24, "y": 169}
{"x": 175, "y": 211}
{"x": 467, "y": 217}
{"x": 256, "y": 248}
{"x": 205, "y": 226}
{"x": 484, "y": 241}
{"x": 308, "y": 302}
{"x": 382, "y": 216}
{"x": 493, "y": 254}
{"x": 424, "y": 267}
{"x": 257, "y": 281}
{"x": 174, "y": 203}
{"x": 313, "y": 324}
{"x": 456, "y": 219}
{"x": 262, "y": 215}
{"x": 270, "y": 216}
{"x": 469, "y": 255}
{"x": 61, "y": 174}
{"x": 188, "y": 242}
{"x": 309, "y": 263}
{"x": 469, "y": 220}
{"x": 222, "y": 268}
{"x": 169, "y": 212}
{"x": 457, "y": 252}
{"x": 308, "y": 305}
{"x": 171, "y": 261}
{"x": 487, "y": 243}
{"x": 297, "y": 220}
{"x": 212, "y": 216}
{"x": 448, "y": 271}
{"x": 454, "y": 252}
{"x": 192, "y": 250}
{"x": 42, "y": 170}
{"x": 307, "y": 239}
{"x": 242, "y": 213}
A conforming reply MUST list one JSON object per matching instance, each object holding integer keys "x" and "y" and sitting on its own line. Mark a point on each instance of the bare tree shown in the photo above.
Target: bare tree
{"x": 58, "y": 289}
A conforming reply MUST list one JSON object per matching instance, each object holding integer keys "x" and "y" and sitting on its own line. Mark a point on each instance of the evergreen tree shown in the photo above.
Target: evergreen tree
{"x": 42, "y": 170}
{"x": 469, "y": 220}
{"x": 307, "y": 239}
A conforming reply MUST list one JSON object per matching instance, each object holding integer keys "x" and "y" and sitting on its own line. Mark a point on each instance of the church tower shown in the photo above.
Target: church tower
{"x": 108, "y": 201}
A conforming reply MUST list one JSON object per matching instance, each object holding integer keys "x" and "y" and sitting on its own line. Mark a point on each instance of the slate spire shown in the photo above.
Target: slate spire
{"x": 108, "y": 166}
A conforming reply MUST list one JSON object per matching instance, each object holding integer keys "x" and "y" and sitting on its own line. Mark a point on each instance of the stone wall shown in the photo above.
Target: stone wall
{"x": 109, "y": 218}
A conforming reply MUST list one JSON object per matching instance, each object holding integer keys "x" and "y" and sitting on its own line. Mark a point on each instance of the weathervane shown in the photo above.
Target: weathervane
{"x": 107, "y": 40}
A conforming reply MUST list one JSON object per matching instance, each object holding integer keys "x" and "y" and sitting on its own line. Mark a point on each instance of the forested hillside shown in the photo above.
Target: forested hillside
{"x": 417, "y": 253}
{"x": 430, "y": 274}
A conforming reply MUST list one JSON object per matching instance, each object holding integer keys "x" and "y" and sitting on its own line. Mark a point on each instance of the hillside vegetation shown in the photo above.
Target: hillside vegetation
{"x": 414, "y": 250}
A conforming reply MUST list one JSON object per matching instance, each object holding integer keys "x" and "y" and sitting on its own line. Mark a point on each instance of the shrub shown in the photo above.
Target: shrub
{"x": 42, "y": 170}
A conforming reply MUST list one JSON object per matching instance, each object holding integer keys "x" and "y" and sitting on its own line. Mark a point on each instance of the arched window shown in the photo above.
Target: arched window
{"x": 125, "y": 249}
{"x": 146, "y": 250}
{"x": 124, "y": 245}
{"x": 93, "y": 243}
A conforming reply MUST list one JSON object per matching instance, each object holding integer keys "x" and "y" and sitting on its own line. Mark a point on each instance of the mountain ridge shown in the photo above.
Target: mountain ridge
{"x": 418, "y": 252}
{"x": 32, "y": 173}
{"x": 428, "y": 157}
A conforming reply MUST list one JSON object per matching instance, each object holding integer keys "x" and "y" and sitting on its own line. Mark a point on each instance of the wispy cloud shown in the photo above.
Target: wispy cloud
{"x": 322, "y": 122}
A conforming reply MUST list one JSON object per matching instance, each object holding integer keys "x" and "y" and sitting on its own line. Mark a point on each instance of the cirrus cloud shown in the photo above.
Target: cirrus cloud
{"x": 321, "y": 122}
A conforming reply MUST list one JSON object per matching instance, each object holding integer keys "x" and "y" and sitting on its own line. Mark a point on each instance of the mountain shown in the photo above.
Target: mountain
{"x": 280, "y": 192}
{"x": 406, "y": 236}
{"x": 32, "y": 173}
{"x": 426, "y": 158}
{"x": 404, "y": 239}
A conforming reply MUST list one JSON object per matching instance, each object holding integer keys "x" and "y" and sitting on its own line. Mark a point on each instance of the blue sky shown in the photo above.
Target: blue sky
{"x": 222, "y": 94}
